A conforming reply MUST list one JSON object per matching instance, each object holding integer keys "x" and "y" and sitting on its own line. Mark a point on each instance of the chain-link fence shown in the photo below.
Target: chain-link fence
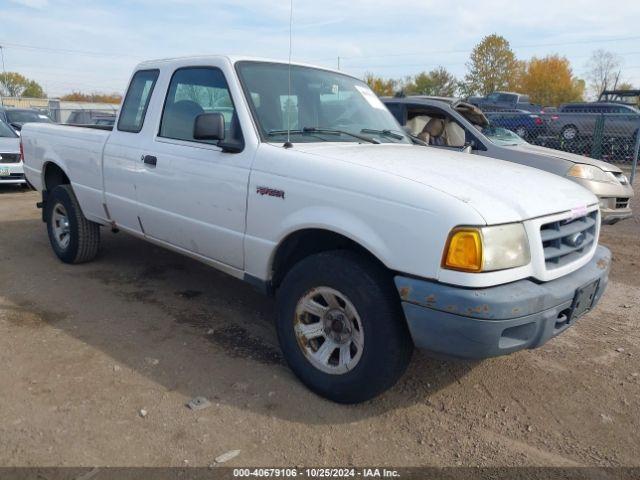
{"x": 610, "y": 136}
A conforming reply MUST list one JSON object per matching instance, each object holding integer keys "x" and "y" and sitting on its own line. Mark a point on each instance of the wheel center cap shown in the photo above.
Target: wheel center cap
{"x": 337, "y": 326}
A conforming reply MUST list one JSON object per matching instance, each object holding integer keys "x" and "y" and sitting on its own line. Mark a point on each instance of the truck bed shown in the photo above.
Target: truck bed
{"x": 75, "y": 149}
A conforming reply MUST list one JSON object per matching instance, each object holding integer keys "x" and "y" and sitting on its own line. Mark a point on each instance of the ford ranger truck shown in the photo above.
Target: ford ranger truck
{"x": 299, "y": 181}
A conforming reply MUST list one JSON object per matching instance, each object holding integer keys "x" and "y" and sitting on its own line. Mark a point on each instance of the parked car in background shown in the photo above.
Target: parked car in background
{"x": 573, "y": 121}
{"x": 371, "y": 244}
{"x": 464, "y": 126}
{"x": 17, "y": 117}
{"x": 523, "y": 123}
{"x": 504, "y": 101}
{"x": 91, "y": 117}
{"x": 108, "y": 121}
{"x": 11, "y": 169}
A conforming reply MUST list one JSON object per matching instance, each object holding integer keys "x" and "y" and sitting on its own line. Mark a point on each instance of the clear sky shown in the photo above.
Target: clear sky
{"x": 92, "y": 45}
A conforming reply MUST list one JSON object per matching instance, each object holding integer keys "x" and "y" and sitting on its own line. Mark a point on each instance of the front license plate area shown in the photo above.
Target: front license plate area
{"x": 583, "y": 299}
{"x": 4, "y": 172}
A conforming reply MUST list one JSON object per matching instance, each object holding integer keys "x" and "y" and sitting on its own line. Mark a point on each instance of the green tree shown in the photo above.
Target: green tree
{"x": 381, "y": 87}
{"x": 438, "y": 82}
{"x": 625, "y": 86}
{"x": 13, "y": 84}
{"x": 34, "y": 90}
{"x": 492, "y": 66}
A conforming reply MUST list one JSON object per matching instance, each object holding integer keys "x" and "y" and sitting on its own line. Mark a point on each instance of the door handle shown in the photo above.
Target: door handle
{"x": 150, "y": 160}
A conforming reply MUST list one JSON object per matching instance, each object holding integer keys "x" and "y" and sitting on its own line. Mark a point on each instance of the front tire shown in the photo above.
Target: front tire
{"x": 522, "y": 132}
{"x": 341, "y": 328}
{"x": 73, "y": 238}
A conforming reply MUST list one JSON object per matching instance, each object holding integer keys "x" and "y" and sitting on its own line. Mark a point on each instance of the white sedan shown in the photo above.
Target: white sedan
{"x": 11, "y": 168}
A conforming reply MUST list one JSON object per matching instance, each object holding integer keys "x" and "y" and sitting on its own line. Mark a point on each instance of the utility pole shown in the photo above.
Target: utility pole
{"x": 338, "y": 62}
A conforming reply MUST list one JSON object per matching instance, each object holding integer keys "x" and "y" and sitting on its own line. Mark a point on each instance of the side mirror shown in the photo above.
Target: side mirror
{"x": 209, "y": 126}
{"x": 17, "y": 126}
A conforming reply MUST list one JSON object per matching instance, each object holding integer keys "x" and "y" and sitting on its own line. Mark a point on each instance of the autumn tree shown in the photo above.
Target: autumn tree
{"x": 13, "y": 84}
{"x": 603, "y": 71}
{"x": 550, "y": 81}
{"x": 492, "y": 66}
{"x": 94, "y": 97}
{"x": 438, "y": 82}
{"x": 381, "y": 87}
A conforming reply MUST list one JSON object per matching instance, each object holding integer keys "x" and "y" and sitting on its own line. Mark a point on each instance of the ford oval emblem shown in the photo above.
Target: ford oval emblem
{"x": 576, "y": 239}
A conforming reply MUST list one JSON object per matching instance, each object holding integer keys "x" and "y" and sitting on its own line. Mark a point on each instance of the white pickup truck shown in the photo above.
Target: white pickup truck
{"x": 298, "y": 180}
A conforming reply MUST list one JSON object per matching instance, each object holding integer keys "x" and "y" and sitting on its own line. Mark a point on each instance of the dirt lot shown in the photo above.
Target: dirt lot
{"x": 83, "y": 349}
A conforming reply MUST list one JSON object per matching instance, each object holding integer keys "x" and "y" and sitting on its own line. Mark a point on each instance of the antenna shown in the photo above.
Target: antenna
{"x": 288, "y": 143}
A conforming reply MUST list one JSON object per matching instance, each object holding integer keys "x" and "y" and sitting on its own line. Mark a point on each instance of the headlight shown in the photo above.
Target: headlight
{"x": 622, "y": 178}
{"x": 485, "y": 249}
{"x": 589, "y": 172}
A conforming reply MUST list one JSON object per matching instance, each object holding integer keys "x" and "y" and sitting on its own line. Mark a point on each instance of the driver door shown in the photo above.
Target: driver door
{"x": 193, "y": 195}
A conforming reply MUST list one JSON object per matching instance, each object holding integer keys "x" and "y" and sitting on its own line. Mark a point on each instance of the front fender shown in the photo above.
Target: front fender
{"x": 338, "y": 221}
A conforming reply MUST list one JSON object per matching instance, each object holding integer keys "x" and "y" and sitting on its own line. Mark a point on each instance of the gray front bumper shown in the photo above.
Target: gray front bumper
{"x": 487, "y": 322}
{"x": 611, "y": 216}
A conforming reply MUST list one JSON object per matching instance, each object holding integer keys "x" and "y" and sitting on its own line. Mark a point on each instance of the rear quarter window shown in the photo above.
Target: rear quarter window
{"x": 136, "y": 102}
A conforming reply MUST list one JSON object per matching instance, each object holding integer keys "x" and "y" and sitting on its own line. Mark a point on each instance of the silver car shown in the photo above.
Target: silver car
{"x": 576, "y": 121}
{"x": 11, "y": 168}
{"x": 450, "y": 123}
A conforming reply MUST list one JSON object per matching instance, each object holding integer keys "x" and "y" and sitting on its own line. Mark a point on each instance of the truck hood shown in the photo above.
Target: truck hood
{"x": 571, "y": 157}
{"x": 499, "y": 191}
{"x": 9, "y": 145}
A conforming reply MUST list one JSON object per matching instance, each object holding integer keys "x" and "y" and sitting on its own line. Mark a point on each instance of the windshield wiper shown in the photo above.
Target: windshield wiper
{"x": 327, "y": 131}
{"x": 386, "y": 133}
{"x": 272, "y": 133}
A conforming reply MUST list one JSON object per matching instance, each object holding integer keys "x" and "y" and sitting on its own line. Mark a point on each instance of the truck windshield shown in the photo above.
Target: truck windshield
{"x": 321, "y": 106}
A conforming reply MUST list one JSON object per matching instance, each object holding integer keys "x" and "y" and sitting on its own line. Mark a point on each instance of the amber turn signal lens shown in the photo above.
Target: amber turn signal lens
{"x": 464, "y": 251}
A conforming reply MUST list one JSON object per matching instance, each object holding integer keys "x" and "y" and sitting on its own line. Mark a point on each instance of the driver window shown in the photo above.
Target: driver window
{"x": 193, "y": 91}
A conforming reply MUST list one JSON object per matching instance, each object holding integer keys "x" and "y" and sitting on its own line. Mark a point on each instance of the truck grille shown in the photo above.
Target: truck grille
{"x": 9, "y": 157}
{"x": 565, "y": 241}
{"x": 622, "y": 202}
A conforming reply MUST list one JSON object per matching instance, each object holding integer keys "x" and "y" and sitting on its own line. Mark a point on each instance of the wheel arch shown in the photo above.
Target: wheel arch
{"x": 305, "y": 241}
{"x": 53, "y": 175}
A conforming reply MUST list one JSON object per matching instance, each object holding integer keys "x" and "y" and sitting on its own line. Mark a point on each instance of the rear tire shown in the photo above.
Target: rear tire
{"x": 74, "y": 239}
{"x": 358, "y": 313}
{"x": 569, "y": 132}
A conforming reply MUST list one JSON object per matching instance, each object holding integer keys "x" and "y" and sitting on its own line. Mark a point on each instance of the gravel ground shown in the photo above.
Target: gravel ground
{"x": 99, "y": 360}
